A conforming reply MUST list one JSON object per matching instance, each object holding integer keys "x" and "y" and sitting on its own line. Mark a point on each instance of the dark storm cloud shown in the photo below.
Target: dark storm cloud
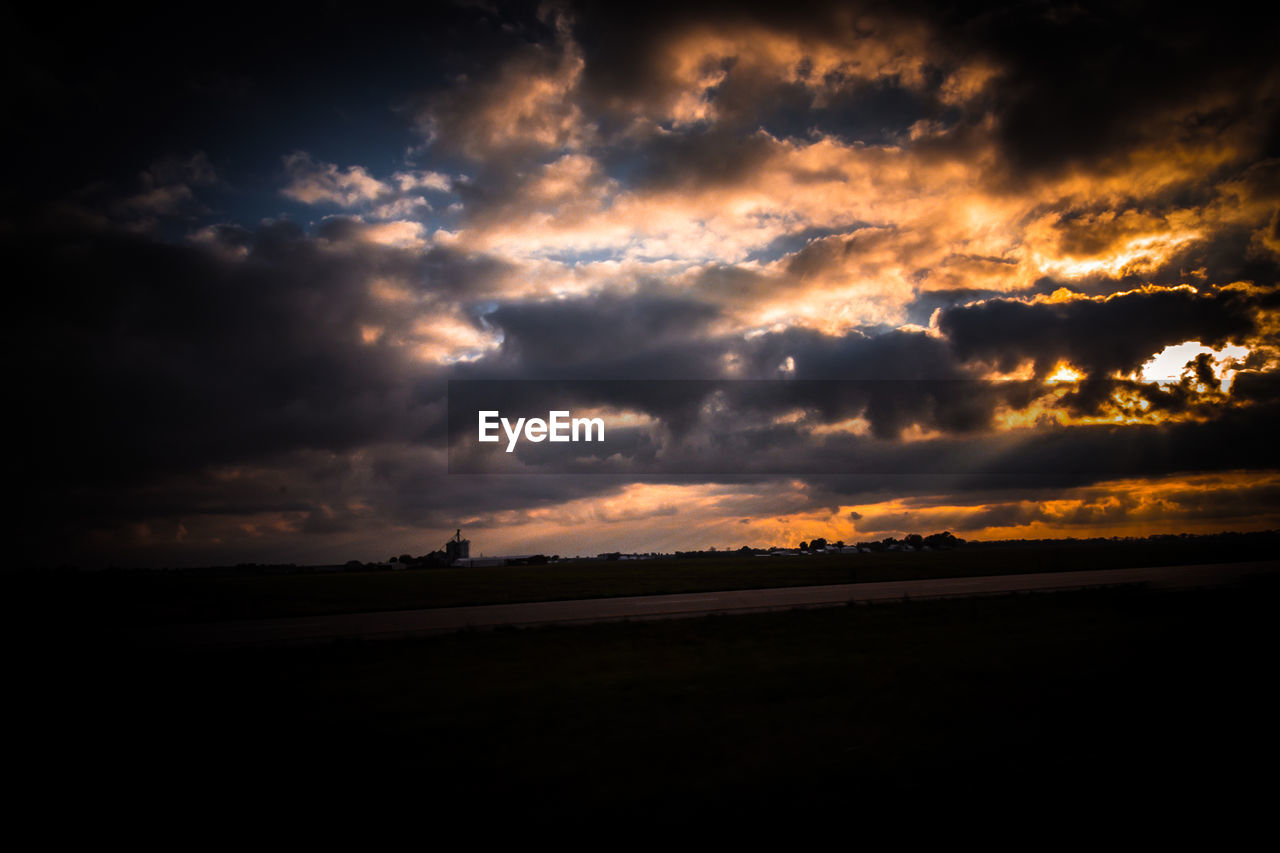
{"x": 1076, "y": 83}
{"x": 229, "y": 380}
{"x": 704, "y": 157}
{"x": 621, "y": 345}
{"x": 1033, "y": 466}
{"x": 180, "y": 356}
{"x": 920, "y": 310}
{"x": 1256, "y": 386}
{"x": 181, "y": 361}
{"x": 892, "y": 355}
{"x": 875, "y": 113}
{"x": 624, "y": 42}
{"x": 246, "y": 352}
{"x": 1084, "y": 81}
{"x": 1226, "y": 503}
{"x": 733, "y": 427}
{"x": 738, "y": 143}
{"x": 896, "y": 379}
{"x": 406, "y": 484}
{"x": 606, "y": 336}
{"x": 1237, "y": 440}
{"x": 1099, "y": 337}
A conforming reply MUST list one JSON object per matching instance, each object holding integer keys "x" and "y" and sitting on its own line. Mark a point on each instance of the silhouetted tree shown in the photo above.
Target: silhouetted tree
{"x": 943, "y": 540}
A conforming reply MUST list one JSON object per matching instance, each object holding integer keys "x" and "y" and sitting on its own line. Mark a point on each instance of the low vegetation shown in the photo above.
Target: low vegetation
{"x": 122, "y": 599}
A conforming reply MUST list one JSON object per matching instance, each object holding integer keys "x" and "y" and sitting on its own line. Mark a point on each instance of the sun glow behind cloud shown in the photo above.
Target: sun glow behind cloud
{"x": 1171, "y": 362}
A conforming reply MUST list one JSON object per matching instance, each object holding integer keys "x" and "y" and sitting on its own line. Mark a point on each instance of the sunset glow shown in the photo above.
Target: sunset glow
{"x": 282, "y": 278}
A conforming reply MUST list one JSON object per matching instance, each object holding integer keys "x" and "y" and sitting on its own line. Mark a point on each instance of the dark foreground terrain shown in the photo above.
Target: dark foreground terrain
{"x": 1156, "y": 704}
{"x": 116, "y": 600}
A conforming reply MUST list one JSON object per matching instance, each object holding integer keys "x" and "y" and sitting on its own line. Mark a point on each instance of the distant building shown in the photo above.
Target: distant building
{"x": 457, "y": 548}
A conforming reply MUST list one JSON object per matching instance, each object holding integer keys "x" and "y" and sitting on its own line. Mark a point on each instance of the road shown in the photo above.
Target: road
{"x": 402, "y": 623}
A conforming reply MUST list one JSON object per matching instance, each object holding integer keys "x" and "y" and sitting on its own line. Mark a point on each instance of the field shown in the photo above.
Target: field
{"x": 115, "y": 599}
{"x": 1085, "y": 699}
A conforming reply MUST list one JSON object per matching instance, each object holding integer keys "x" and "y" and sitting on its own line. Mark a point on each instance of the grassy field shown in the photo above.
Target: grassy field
{"x": 1153, "y": 700}
{"x": 151, "y": 597}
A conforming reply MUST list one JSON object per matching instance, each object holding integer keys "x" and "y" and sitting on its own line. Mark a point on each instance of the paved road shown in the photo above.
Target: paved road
{"x": 400, "y": 623}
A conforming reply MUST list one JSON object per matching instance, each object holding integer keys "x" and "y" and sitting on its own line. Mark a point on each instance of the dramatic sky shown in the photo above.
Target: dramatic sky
{"x": 248, "y": 246}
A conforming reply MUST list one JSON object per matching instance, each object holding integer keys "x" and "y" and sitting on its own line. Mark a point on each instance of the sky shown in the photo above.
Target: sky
{"x": 1010, "y": 270}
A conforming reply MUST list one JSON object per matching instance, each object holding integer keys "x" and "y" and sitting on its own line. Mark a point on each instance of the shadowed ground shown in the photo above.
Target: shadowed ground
{"x": 1154, "y": 701}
